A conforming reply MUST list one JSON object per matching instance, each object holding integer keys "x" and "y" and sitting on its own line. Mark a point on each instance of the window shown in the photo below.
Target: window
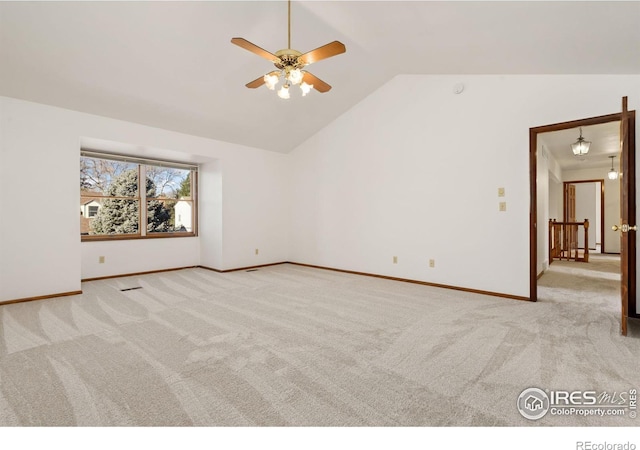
{"x": 111, "y": 195}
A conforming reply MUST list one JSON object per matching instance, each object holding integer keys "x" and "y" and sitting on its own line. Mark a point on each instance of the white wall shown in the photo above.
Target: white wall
{"x": 548, "y": 171}
{"x": 255, "y": 210}
{"x": 611, "y": 203}
{"x": 555, "y": 198}
{"x": 542, "y": 186}
{"x": 134, "y": 256}
{"x": 586, "y": 209}
{"x": 413, "y": 170}
{"x": 210, "y": 214}
{"x": 39, "y": 158}
{"x": 597, "y": 226}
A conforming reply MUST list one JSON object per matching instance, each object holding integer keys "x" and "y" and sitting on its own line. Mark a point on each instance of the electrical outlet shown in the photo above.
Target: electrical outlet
{"x": 100, "y": 259}
{"x": 395, "y": 260}
{"x": 503, "y": 206}
{"x": 257, "y": 251}
{"x": 432, "y": 263}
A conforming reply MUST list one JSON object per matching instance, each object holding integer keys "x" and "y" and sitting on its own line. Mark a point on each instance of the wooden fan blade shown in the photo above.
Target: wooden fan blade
{"x": 240, "y": 42}
{"x": 326, "y": 51}
{"x": 255, "y": 83}
{"x": 259, "y": 81}
{"x": 317, "y": 83}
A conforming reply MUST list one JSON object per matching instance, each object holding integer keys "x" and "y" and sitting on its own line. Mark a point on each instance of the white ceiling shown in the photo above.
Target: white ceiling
{"x": 605, "y": 142}
{"x": 171, "y": 65}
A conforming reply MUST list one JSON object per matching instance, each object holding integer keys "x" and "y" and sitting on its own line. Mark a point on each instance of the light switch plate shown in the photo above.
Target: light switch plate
{"x": 500, "y": 192}
{"x": 503, "y": 206}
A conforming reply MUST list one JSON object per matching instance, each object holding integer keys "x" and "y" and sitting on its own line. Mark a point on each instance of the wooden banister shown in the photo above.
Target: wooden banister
{"x": 563, "y": 241}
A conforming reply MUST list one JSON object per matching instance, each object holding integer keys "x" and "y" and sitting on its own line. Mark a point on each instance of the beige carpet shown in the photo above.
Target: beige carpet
{"x": 290, "y": 345}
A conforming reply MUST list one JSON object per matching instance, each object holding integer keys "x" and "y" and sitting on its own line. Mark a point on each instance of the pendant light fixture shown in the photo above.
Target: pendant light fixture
{"x": 580, "y": 147}
{"x": 613, "y": 173}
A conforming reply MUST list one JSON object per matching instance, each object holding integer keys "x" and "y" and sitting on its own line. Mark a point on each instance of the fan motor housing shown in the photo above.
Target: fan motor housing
{"x": 288, "y": 58}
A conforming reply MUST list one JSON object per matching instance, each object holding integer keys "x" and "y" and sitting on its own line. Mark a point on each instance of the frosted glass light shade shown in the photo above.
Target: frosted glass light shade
{"x": 305, "y": 88}
{"x": 580, "y": 147}
{"x": 271, "y": 81}
{"x": 613, "y": 174}
{"x": 284, "y": 92}
{"x": 295, "y": 76}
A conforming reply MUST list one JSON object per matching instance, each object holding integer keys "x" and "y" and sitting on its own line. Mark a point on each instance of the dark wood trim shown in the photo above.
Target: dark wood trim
{"x": 533, "y": 195}
{"x": 242, "y": 268}
{"x": 565, "y": 196}
{"x": 625, "y": 200}
{"x": 137, "y": 273}
{"x": 570, "y": 223}
{"x": 130, "y": 237}
{"x": 631, "y": 177}
{"x": 600, "y": 180}
{"x": 194, "y": 187}
{"x": 540, "y": 275}
{"x": 405, "y": 280}
{"x": 109, "y": 237}
{"x": 113, "y": 197}
{"x": 533, "y": 216}
{"x": 577, "y": 123}
{"x": 424, "y": 283}
{"x": 161, "y": 235}
{"x": 40, "y": 297}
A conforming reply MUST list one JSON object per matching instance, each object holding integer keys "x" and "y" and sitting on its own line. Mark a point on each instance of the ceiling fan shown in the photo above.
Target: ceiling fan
{"x": 290, "y": 64}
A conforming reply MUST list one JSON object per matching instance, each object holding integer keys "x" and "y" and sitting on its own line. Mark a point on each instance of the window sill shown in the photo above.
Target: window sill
{"x": 127, "y": 237}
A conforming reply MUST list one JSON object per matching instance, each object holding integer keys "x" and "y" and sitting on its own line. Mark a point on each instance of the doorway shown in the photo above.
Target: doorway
{"x": 627, "y": 191}
{"x": 585, "y": 200}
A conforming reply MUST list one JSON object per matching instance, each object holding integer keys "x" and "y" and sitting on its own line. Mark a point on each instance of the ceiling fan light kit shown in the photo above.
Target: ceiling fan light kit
{"x": 290, "y": 64}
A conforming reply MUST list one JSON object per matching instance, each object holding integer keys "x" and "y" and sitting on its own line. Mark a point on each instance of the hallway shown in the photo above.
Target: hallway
{"x": 587, "y": 289}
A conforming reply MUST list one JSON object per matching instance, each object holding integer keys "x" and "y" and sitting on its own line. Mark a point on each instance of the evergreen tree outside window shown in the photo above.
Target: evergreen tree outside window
{"x": 111, "y": 193}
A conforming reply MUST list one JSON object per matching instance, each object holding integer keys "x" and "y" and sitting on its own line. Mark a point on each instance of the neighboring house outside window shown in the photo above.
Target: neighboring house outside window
{"x": 89, "y": 208}
{"x": 183, "y": 214}
{"x": 112, "y": 192}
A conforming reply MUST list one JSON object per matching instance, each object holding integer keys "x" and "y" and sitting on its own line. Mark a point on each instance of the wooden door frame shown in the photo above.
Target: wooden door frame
{"x": 533, "y": 194}
{"x": 564, "y": 205}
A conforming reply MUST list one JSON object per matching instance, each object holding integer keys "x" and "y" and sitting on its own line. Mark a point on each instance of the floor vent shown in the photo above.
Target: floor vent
{"x": 252, "y": 270}
{"x": 131, "y": 289}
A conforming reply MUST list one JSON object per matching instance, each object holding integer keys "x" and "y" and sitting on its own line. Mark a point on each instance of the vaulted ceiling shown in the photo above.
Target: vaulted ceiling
{"x": 171, "y": 64}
